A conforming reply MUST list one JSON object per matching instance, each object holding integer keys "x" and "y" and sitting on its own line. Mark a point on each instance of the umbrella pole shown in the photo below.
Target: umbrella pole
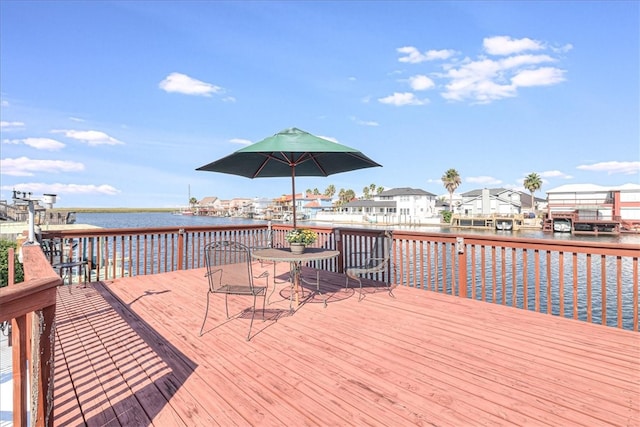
{"x": 293, "y": 198}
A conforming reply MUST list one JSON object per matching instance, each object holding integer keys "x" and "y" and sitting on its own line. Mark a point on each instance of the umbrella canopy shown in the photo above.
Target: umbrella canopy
{"x": 291, "y": 152}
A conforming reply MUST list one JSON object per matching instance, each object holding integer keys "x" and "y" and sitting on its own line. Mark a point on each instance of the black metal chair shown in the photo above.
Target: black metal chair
{"x": 219, "y": 254}
{"x": 375, "y": 262}
{"x": 62, "y": 258}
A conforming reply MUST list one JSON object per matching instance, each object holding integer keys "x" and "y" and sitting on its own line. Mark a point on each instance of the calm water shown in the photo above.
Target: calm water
{"x": 166, "y": 219}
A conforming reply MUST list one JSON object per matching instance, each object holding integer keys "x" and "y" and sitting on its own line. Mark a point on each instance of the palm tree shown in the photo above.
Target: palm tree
{"x": 451, "y": 180}
{"x": 532, "y": 182}
{"x": 330, "y": 191}
{"x": 365, "y": 193}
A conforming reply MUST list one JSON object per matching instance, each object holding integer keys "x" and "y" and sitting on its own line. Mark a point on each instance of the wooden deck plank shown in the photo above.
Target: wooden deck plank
{"x": 419, "y": 358}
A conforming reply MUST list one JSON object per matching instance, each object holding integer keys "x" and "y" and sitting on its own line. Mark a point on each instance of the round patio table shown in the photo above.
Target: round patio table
{"x": 295, "y": 261}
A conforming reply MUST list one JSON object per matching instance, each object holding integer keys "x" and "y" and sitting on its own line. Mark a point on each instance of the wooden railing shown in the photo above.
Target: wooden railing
{"x": 586, "y": 280}
{"x": 590, "y": 281}
{"x": 31, "y": 306}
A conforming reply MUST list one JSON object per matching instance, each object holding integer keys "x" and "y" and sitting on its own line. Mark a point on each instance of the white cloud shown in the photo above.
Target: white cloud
{"x": 240, "y": 141}
{"x": 400, "y": 99}
{"x": 517, "y": 63}
{"x": 421, "y": 82}
{"x": 613, "y": 167}
{"x": 523, "y": 60}
{"x": 85, "y": 189}
{"x": 10, "y": 125}
{"x": 57, "y": 188}
{"x": 413, "y": 55}
{"x": 47, "y": 144}
{"x": 181, "y": 83}
{"x": 364, "y": 122}
{"x": 505, "y": 45}
{"x": 91, "y": 137}
{"x": 562, "y": 49}
{"x": 555, "y": 174}
{"x": 485, "y": 180}
{"x": 541, "y": 77}
{"x": 24, "y": 166}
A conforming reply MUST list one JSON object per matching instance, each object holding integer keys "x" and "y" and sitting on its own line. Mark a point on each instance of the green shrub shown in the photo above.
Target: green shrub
{"x": 4, "y": 263}
{"x": 446, "y": 217}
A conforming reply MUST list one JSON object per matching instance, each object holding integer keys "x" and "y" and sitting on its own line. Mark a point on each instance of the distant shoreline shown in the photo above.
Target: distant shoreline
{"x": 113, "y": 210}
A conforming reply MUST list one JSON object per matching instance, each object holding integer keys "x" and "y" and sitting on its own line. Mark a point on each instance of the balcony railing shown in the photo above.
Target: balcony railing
{"x": 590, "y": 281}
{"x": 31, "y": 306}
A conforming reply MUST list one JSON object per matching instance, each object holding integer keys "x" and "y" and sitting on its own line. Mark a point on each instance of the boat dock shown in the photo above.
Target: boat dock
{"x": 498, "y": 222}
{"x": 577, "y": 224}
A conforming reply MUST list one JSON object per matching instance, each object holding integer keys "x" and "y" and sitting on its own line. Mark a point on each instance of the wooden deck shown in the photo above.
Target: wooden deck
{"x": 128, "y": 353}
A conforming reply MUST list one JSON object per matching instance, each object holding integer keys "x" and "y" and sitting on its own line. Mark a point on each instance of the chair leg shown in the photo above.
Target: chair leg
{"x": 253, "y": 314}
{"x": 206, "y": 312}
{"x": 226, "y": 304}
{"x": 361, "y": 294}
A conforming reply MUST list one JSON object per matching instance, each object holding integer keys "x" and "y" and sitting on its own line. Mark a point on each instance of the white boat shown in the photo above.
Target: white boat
{"x": 562, "y": 225}
{"x": 184, "y": 211}
{"x": 504, "y": 225}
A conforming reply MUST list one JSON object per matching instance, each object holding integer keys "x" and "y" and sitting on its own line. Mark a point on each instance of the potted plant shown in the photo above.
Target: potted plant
{"x": 299, "y": 238}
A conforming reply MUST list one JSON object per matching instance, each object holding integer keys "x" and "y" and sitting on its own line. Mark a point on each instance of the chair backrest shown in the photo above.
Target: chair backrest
{"x": 381, "y": 251}
{"x": 52, "y": 248}
{"x": 219, "y": 254}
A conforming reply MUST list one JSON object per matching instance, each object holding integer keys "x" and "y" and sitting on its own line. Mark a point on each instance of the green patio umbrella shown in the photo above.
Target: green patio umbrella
{"x": 291, "y": 152}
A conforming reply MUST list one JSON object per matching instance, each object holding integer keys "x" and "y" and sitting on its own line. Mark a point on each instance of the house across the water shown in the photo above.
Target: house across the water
{"x": 593, "y": 209}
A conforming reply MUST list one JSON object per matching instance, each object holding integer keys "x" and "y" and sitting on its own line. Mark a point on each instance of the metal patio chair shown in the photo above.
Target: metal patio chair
{"x": 374, "y": 262}
{"x": 225, "y": 253}
{"x": 62, "y": 259}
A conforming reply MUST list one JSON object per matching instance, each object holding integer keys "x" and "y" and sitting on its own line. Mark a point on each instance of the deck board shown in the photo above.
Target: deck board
{"x": 128, "y": 353}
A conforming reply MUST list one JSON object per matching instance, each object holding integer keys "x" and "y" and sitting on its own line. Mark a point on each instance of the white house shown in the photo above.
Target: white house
{"x": 410, "y": 202}
{"x": 396, "y": 206}
{"x": 494, "y": 201}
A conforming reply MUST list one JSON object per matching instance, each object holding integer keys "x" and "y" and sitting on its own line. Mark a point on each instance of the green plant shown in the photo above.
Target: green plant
{"x": 4, "y": 263}
{"x": 305, "y": 236}
{"x": 446, "y": 217}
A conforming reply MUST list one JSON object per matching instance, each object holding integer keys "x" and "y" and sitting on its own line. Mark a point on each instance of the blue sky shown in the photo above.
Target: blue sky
{"x": 115, "y": 104}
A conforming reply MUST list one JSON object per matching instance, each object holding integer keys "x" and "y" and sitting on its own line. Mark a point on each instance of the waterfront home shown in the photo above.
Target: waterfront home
{"x": 402, "y": 205}
{"x": 490, "y": 201}
{"x": 589, "y": 201}
{"x": 209, "y": 206}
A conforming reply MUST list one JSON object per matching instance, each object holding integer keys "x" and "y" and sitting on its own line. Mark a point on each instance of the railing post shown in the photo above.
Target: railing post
{"x": 181, "y": 252}
{"x": 20, "y": 394}
{"x": 340, "y": 248}
{"x": 45, "y": 371}
{"x": 462, "y": 267}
